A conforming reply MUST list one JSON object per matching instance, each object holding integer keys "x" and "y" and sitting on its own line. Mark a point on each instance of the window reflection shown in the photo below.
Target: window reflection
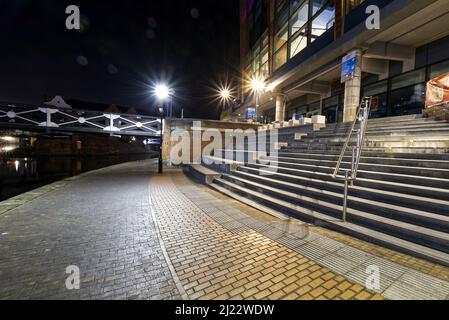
{"x": 408, "y": 100}
{"x": 299, "y": 18}
{"x": 317, "y": 5}
{"x": 323, "y": 22}
{"x": 298, "y": 43}
{"x": 351, "y": 4}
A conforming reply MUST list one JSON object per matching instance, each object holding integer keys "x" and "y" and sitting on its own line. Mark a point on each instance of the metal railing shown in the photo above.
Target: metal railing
{"x": 350, "y": 175}
{"x": 75, "y": 120}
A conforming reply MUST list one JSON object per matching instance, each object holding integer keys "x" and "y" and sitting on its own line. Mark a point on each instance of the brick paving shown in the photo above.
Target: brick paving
{"x": 217, "y": 262}
{"x": 100, "y": 223}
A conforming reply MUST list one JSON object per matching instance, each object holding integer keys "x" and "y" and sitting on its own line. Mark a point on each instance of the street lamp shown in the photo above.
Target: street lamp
{"x": 225, "y": 94}
{"x": 258, "y": 87}
{"x": 162, "y": 92}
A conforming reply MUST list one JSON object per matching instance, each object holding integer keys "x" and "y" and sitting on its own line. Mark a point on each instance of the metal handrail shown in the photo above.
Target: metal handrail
{"x": 362, "y": 116}
{"x": 351, "y": 175}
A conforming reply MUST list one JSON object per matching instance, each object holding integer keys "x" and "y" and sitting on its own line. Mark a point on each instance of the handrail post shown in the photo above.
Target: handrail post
{"x": 345, "y": 196}
{"x": 351, "y": 175}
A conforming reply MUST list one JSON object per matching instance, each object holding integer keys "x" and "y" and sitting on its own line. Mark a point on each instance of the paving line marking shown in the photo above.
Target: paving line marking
{"x": 178, "y": 283}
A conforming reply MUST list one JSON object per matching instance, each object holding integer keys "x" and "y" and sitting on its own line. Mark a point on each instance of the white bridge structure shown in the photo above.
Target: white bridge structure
{"x": 66, "y": 119}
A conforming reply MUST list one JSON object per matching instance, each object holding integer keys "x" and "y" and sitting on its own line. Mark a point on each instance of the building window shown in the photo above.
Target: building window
{"x": 281, "y": 38}
{"x": 299, "y": 18}
{"x": 375, "y": 89}
{"x": 408, "y": 79}
{"x": 332, "y": 110}
{"x": 323, "y": 21}
{"x": 280, "y": 47}
{"x": 282, "y": 13}
{"x": 409, "y": 100}
{"x": 298, "y": 42}
{"x": 294, "y": 4}
{"x": 351, "y": 4}
{"x": 439, "y": 69}
{"x": 378, "y": 91}
{"x": 280, "y": 57}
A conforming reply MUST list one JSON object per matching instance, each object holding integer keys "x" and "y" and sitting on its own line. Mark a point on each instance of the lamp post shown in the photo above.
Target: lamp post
{"x": 162, "y": 93}
{"x": 258, "y": 87}
{"x": 225, "y": 97}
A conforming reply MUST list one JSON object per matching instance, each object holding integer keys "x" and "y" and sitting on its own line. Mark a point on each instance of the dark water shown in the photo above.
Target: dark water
{"x": 20, "y": 174}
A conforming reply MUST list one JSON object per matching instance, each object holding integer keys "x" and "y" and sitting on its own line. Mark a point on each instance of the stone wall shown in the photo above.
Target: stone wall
{"x": 88, "y": 144}
{"x": 186, "y": 125}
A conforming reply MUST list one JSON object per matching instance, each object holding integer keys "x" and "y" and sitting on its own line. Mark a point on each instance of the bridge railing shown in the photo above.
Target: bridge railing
{"x": 76, "y": 120}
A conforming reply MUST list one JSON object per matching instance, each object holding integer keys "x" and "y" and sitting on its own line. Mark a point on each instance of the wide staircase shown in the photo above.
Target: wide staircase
{"x": 400, "y": 198}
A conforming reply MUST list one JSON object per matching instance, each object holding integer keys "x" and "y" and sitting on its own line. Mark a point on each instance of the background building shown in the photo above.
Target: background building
{"x": 297, "y": 48}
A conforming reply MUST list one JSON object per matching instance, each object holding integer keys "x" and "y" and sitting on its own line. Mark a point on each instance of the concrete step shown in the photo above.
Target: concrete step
{"x": 373, "y": 175}
{"x": 365, "y": 153}
{"x": 360, "y": 199}
{"x": 378, "y": 138}
{"x": 286, "y": 202}
{"x": 331, "y": 159}
{"x": 388, "y": 122}
{"x": 380, "y": 172}
{"x": 390, "y": 125}
{"x": 202, "y": 173}
{"x": 362, "y": 187}
{"x": 389, "y": 165}
{"x": 387, "y": 143}
{"x": 422, "y": 132}
{"x": 337, "y": 149}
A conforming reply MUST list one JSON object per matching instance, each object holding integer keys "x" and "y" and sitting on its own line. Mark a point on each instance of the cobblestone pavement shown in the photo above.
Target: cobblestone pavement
{"x": 100, "y": 223}
{"x": 217, "y": 257}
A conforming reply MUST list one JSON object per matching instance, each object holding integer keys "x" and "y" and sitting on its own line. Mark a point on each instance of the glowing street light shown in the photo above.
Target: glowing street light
{"x": 162, "y": 92}
{"x": 225, "y": 94}
{"x": 257, "y": 85}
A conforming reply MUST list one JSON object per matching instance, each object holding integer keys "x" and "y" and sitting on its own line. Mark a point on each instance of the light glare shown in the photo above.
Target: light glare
{"x": 225, "y": 94}
{"x": 162, "y": 92}
{"x": 257, "y": 85}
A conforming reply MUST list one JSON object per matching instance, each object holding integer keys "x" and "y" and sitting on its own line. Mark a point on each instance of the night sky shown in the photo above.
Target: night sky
{"x": 123, "y": 48}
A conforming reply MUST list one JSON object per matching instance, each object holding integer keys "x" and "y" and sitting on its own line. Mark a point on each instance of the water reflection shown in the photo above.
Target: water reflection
{"x": 20, "y": 174}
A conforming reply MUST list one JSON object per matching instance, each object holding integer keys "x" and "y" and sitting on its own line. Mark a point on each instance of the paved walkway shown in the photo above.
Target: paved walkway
{"x": 100, "y": 223}
{"x": 136, "y": 235}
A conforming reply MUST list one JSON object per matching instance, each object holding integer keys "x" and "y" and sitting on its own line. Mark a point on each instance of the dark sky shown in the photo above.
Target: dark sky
{"x": 125, "y": 47}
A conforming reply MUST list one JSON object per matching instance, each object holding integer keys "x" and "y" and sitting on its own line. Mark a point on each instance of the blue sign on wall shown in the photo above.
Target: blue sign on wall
{"x": 250, "y": 113}
{"x": 348, "y": 65}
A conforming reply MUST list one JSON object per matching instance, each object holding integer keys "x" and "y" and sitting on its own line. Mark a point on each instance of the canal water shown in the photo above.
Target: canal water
{"x": 22, "y": 174}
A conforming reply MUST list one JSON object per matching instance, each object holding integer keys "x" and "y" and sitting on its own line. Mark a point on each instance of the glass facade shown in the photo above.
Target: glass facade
{"x": 333, "y": 109}
{"x": 297, "y": 24}
{"x": 307, "y": 20}
{"x": 403, "y": 94}
{"x": 351, "y": 4}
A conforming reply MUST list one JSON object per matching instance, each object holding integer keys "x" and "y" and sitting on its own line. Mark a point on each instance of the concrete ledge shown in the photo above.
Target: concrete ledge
{"x": 201, "y": 173}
